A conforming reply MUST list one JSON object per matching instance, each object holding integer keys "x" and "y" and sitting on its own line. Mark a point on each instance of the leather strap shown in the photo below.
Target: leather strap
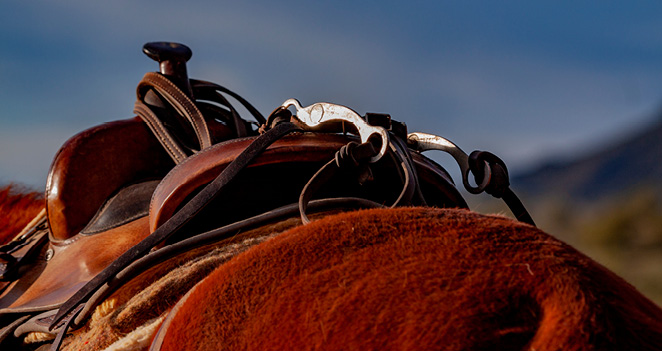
{"x": 156, "y": 126}
{"x": 8, "y": 330}
{"x": 209, "y": 93}
{"x": 208, "y": 90}
{"x": 499, "y": 182}
{"x": 34, "y": 236}
{"x": 213, "y": 236}
{"x": 409, "y": 178}
{"x": 63, "y": 330}
{"x": 198, "y": 84}
{"x": 517, "y": 207}
{"x": 400, "y": 148}
{"x": 184, "y": 106}
{"x": 179, "y": 101}
{"x": 357, "y": 156}
{"x": 179, "y": 219}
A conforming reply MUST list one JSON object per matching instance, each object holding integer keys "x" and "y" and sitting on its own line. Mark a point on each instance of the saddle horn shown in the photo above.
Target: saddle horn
{"x": 172, "y": 58}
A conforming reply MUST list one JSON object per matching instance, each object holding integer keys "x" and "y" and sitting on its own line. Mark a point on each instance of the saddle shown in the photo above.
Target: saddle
{"x": 189, "y": 170}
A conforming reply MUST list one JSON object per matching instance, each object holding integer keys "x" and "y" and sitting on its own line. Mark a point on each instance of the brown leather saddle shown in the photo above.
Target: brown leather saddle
{"x": 100, "y": 185}
{"x": 190, "y": 167}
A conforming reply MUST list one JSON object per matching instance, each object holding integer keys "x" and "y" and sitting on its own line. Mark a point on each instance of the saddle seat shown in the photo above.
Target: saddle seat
{"x": 91, "y": 167}
{"x": 97, "y": 201}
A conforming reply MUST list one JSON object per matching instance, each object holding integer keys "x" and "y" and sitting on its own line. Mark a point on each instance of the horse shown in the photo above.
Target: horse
{"x": 18, "y": 207}
{"x": 187, "y": 228}
{"x": 407, "y": 278}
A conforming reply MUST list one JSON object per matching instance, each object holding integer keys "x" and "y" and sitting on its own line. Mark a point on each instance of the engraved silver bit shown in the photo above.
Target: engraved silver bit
{"x": 322, "y": 112}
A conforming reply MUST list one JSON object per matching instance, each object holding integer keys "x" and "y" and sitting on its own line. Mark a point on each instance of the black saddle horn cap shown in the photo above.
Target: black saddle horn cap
{"x": 172, "y": 58}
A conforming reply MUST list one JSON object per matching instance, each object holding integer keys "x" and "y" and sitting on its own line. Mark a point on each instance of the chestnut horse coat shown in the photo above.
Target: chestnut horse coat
{"x": 414, "y": 278}
{"x": 408, "y": 278}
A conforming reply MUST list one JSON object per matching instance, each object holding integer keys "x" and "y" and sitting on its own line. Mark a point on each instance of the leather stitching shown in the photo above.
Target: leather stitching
{"x": 176, "y": 96}
{"x": 159, "y": 130}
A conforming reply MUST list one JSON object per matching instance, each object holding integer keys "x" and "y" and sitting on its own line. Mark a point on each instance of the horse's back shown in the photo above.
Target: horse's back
{"x": 17, "y": 208}
{"x": 415, "y": 279}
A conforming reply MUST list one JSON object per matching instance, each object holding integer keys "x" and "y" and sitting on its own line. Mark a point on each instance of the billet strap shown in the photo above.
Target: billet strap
{"x": 184, "y": 106}
{"x": 179, "y": 219}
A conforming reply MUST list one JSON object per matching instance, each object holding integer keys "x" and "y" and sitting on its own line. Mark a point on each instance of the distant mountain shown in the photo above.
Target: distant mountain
{"x": 631, "y": 162}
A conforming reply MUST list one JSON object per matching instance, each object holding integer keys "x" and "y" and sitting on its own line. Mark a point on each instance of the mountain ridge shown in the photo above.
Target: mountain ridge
{"x": 631, "y": 161}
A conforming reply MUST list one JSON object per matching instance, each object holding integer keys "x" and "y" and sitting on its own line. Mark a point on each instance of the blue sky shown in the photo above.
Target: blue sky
{"x": 526, "y": 80}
